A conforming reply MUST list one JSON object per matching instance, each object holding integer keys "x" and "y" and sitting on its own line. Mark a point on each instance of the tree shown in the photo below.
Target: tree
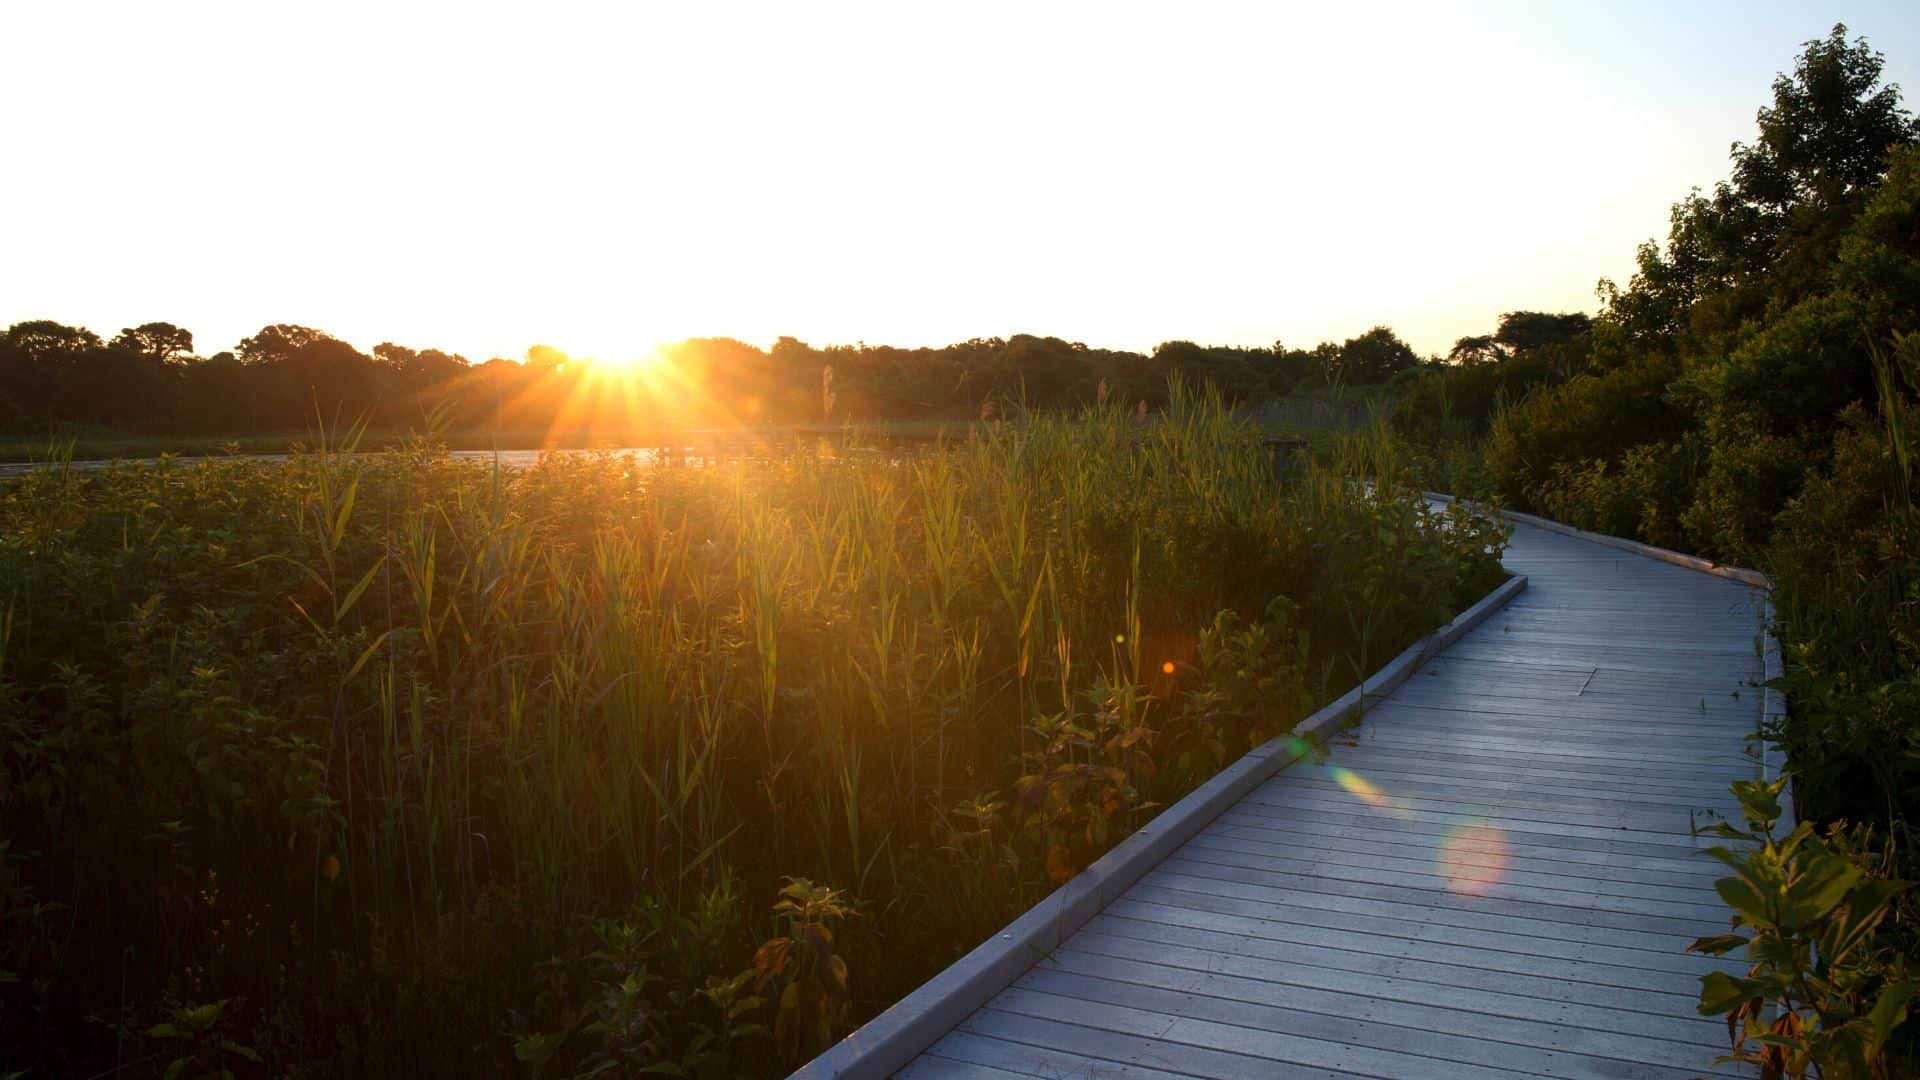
{"x": 1523, "y": 330}
{"x": 1482, "y": 349}
{"x": 161, "y": 342}
{"x": 394, "y": 357}
{"x": 1766, "y": 238}
{"x": 545, "y": 358}
{"x": 1828, "y": 131}
{"x": 45, "y": 341}
{"x": 277, "y": 342}
{"x": 1375, "y": 356}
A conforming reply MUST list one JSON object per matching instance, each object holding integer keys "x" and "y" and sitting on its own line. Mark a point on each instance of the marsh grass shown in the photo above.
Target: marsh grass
{"x": 409, "y": 764}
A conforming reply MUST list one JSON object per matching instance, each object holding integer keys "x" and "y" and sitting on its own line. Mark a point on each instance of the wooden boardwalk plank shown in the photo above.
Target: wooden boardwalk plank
{"x": 1358, "y": 1019}
{"x": 1496, "y": 875}
{"x": 1424, "y": 959}
{"x": 1612, "y": 965}
{"x": 1022, "y": 1059}
{"x": 1493, "y": 1002}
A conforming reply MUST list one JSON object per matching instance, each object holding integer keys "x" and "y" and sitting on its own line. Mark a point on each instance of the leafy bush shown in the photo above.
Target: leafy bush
{"x": 1824, "y": 993}
{"x": 1591, "y": 417}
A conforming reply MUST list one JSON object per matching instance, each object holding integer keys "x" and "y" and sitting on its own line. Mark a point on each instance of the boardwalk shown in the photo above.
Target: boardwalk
{"x": 1495, "y": 875}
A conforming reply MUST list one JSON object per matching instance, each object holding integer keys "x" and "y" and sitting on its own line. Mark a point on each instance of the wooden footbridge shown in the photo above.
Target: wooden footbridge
{"x": 1495, "y": 874}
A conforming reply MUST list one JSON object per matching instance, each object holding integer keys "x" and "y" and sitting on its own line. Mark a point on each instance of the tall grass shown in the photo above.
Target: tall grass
{"x": 397, "y": 763}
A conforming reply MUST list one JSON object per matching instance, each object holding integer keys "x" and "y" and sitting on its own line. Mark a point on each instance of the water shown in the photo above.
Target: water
{"x": 644, "y": 455}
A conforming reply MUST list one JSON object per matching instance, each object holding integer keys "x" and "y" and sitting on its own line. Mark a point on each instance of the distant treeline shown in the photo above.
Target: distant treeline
{"x": 148, "y": 380}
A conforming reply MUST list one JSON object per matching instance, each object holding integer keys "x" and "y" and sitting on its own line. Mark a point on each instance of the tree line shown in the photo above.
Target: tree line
{"x": 148, "y": 380}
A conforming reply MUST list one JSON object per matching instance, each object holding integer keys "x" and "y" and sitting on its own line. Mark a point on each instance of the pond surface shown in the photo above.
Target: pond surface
{"x": 510, "y": 458}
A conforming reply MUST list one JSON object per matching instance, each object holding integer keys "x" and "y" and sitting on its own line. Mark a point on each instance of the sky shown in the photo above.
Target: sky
{"x": 605, "y": 178}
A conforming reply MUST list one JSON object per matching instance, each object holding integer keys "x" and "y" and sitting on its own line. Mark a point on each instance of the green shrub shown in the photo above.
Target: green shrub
{"x": 1824, "y": 992}
{"x": 1595, "y": 417}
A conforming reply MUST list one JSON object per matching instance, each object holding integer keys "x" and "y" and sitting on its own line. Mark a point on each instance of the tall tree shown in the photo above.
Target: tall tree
{"x": 1375, "y": 356}
{"x": 1523, "y": 330}
{"x": 160, "y": 342}
{"x": 277, "y": 342}
{"x": 45, "y": 341}
{"x": 1828, "y": 131}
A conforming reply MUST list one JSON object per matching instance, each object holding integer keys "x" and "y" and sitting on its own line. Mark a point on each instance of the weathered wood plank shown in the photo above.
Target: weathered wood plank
{"x": 1427, "y": 960}
{"x": 1122, "y": 951}
{"x": 1501, "y": 879}
{"x": 934, "y": 1067}
{"x": 1447, "y": 863}
{"x": 1137, "y": 1046}
{"x": 1283, "y": 819}
{"x": 1670, "y": 830}
{"x": 1364, "y": 1040}
{"x": 1313, "y": 1042}
{"x": 1541, "y": 916}
{"x": 1023, "y": 1059}
{"x": 1378, "y": 1022}
{"x": 1613, "y": 965}
{"x": 1473, "y": 849}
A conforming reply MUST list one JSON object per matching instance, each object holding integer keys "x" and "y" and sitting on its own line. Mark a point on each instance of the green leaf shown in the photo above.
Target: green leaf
{"x": 535, "y": 1050}
{"x": 367, "y": 655}
{"x": 163, "y": 1031}
{"x": 1867, "y": 904}
{"x": 1721, "y": 992}
{"x": 346, "y": 511}
{"x": 1889, "y": 1012}
{"x": 317, "y": 628}
{"x": 1718, "y": 944}
{"x": 1745, "y": 900}
{"x": 1760, "y": 802}
{"x": 353, "y": 595}
{"x": 1825, "y": 879}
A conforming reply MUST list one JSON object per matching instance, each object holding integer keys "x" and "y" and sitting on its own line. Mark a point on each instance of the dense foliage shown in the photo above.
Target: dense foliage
{"x": 148, "y": 381}
{"x": 1748, "y": 396}
{"x": 401, "y": 765}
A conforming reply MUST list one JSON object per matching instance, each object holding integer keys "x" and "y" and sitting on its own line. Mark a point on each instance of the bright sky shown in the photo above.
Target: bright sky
{"x": 480, "y": 178}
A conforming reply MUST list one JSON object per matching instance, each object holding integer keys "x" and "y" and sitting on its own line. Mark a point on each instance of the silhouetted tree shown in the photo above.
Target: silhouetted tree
{"x": 1523, "y": 330}
{"x": 1374, "y": 357}
{"x": 1482, "y": 349}
{"x": 161, "y": 342}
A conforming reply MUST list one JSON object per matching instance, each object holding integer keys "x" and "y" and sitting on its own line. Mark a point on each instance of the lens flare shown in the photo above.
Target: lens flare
{"x": 1357, "y": 786}
{"x": 1474, "y": 858}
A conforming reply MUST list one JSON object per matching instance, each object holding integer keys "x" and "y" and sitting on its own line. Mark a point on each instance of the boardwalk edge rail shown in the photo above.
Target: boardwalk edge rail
{"x": 911, "y": 1025}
